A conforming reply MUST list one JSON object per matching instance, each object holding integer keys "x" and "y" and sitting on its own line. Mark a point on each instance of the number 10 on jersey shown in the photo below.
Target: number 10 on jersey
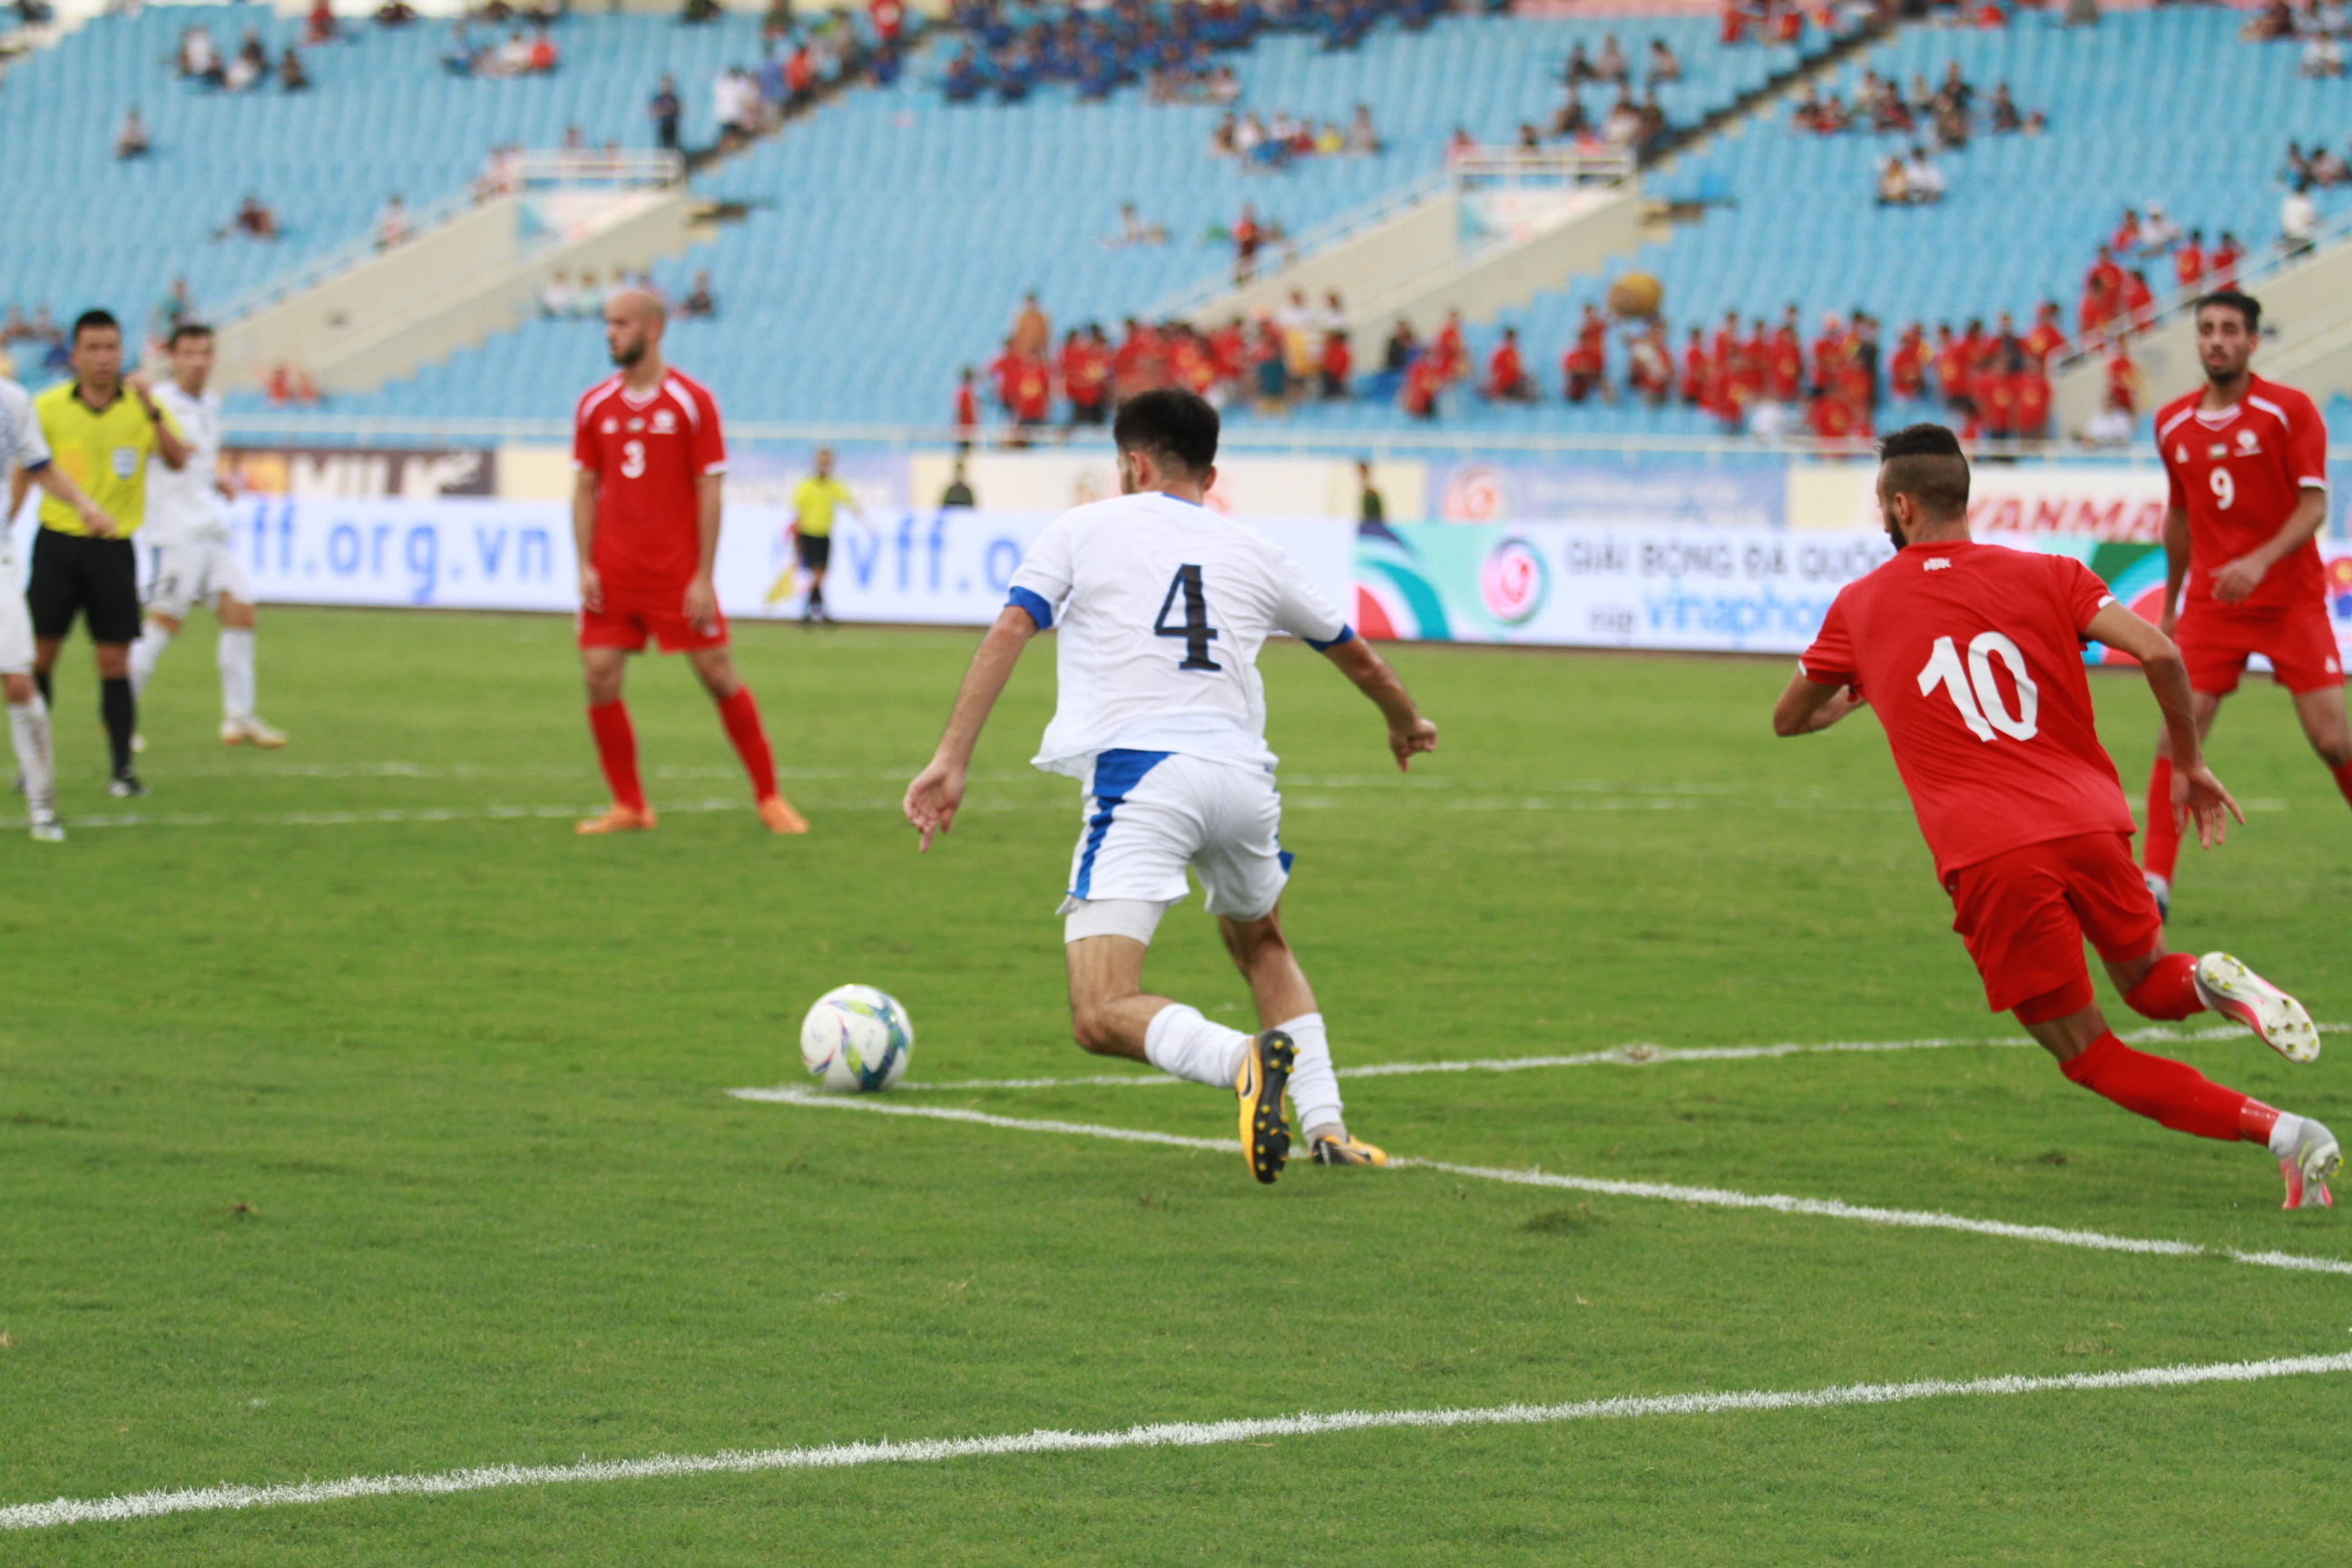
{"x": 1973, "y": 691}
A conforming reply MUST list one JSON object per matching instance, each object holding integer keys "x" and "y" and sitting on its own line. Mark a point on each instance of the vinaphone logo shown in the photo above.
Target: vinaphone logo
{"x": 1514, "y": 582}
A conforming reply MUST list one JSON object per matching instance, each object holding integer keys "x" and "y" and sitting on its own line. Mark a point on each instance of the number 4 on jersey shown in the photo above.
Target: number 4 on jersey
{"x": 1196, "y": 631}
{"x": 1972, "y": 690}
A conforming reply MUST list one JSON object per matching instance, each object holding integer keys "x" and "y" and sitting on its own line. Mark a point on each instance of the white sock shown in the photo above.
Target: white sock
{"x": 1182, "y": 1043}
{"x": 1314, "y": 1086}
{"x": 235, "y": 657}
{"x": 2285, "y": 1133}
{"x": 153, "y": 640}
{"x": 28, "y": 731}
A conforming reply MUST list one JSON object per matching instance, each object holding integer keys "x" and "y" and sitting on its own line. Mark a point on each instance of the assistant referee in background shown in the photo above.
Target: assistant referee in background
{"x": 102, "y": 427}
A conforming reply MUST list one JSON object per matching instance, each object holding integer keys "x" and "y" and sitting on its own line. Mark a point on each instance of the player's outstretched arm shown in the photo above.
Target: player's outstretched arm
{"x": 1409, "y": 733}
{"x": 936, "y": 793}
{"x": 93, "y": 516}
{"x": 1808, "y": 706}
{"x": 2196, "y": 795}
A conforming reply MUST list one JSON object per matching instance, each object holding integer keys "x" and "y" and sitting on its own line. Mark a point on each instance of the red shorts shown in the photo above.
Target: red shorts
{"x": 628, "y": 625}
{"x": 2025, "y": 914}
{"x": 2299, "y": 641}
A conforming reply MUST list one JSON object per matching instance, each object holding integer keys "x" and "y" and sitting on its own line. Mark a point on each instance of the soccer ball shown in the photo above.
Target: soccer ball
{"x": 1636, "y": 296}
{"x": 856, "y": 1040}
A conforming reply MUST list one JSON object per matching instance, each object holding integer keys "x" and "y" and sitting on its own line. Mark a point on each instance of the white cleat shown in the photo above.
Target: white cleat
{"x": 250, "y": 730}
{"x": 2232, "y": 989}
{"x": 2307, "y": 1169}
{"x": 47, "y": 828}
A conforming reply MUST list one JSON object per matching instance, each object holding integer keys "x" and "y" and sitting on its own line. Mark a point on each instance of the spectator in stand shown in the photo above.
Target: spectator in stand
{"x": 2189, "y": 261}
{"x": 1362, "y": 140}
{"x": 2030, "y": 401}
{"x": 392, "y": 225}
{"x": 2159, "y": 233}
{"x": 1893, "y": 189}
{"x": 1337, "y": 365}
{"x": 1271, "y": 363}
{"x": 2322, "y": 58}
{"x": 394, "y": 13}
{"x": 251, "y": 69}
{"x": 1030, "y": 391}
{"x": 2127, "y": 235}
{"x": 2006, "y": 119}
{"x": 1578, "y": 68}
{"x": 1569, "y": 120}
{"x": 1665, "y": 69}
{"x": 2221, "y": 267}
{"x": 1923, "y": 181}
{"x": 322, "y": 27}
{"x": 1693, "y": 386}
{"x": 2328, "y": 168}
{"x": 1085, "y": 375}
{"x": 254, "y": 220}
{"x": 1453, "y": 357}
{"x": 967, "y": 406}
{"x": 1033, "y": 330}
{"x": 1506, "y": 375}
{"x": 1906, "y": 368}
{"x": 291, "y": 76}
{"x": 664, "y": 110}
{"x": 958, "y": 491}
{"x": 588, "y": 299}
{"x": 2298, "y": 220}
{"x": 1650, "y": 364}
{"x": 1422, "y": 382}
{"x": 1372, "y": 507}
{"x": 1954, "y": 364}
{"x": 699, "y": 304}
{"x": 1585, "y": 367}
{"x": 1247, "y": 238}
{"x": 1612, "y": 66}
{"x": 177, "y": 306}
{"x": 199, "y": 59}
{"x": 2138, "y": 301}
{"x": 2047, "y": 336}
{"x": 130, "y": 136}
{"x": 555, "y": 301}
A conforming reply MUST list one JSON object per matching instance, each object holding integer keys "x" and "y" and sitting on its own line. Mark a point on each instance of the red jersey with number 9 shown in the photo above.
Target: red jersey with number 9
{"x": 1971, "y": 656}
{"x": 647, "y": 449}
{"x": 2239, "y": 473}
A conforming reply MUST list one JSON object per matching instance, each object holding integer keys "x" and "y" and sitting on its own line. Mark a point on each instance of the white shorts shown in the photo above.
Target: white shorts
{"x": 1150, "y": 816}
{"x": 16, "y": 626}
{"x": 196, "y": 571}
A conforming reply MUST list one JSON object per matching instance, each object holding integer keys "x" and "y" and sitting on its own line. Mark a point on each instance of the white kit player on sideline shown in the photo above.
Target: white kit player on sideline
{"x": 1162, "y": 606}
{"x": 22, "y": 445}
{"x": 194, "y": 563}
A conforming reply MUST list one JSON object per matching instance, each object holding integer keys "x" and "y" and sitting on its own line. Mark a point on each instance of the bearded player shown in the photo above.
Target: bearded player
{"x": 1971, "y": 655}
{"x": 645, "y": 513}
{"x": 2248, "y": 462}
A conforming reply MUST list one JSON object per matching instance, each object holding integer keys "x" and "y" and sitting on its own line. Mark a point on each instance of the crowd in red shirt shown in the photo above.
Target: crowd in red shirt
{"x": 2117, "y": 297}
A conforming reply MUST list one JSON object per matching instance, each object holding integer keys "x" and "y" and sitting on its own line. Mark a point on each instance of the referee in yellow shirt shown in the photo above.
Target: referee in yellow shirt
{"x": 102, "y": 428}
{"x": 813, "y": 500}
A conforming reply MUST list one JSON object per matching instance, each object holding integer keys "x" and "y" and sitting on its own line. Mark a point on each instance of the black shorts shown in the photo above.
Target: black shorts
{"x": 815, "y": 549}
{"x": 96, "y": 578}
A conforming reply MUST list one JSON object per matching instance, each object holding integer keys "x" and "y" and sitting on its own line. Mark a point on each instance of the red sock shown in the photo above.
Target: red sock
{"x": 2161, "y": 840}
{"x": 616, "y": 748}
{"x": 2343, "y": 779}
{"x": 742, "y": 717}
{"x": 2168, "y": 990}
{"x": 2158, "y": 1088}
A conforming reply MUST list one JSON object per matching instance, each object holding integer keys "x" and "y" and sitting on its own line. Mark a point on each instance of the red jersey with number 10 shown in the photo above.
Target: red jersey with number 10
{"x": 1971, "y": 656}
{"x": 646, "y": 451}
{"x": 2239, "y": 472}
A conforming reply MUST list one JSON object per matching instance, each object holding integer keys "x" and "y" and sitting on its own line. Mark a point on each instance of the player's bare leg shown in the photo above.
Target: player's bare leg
{"x": 240, "y": 725}
{"x": 1111, "y": 1015}
{"x": 715, "y": 669}
{"x": 1286, "y": 1002}
{"x": 155, "y": 634}
{"x": 28, "y": 733}
{"x": 603, "y": 669}
{"x": 2322, "y": 715}
{"x": 2159, "y": 836}
{"x": 2173, "y": 1094}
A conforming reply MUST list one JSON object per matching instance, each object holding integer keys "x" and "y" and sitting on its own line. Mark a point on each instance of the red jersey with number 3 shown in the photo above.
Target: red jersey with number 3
{"x": 646, "y": 451}
{"x": 1971, "y": 656}
{"x": 2238, "y": 474}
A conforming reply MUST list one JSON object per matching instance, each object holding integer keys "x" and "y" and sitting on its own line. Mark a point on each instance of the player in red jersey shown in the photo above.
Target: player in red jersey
{"x": 1971, "y": 656}
{"x": 2248, "y": 462}
{"x": 644, "y": 511}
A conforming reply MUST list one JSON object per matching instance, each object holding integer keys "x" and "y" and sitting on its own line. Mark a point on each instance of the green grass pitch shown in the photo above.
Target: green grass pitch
{"x": 338, "y": 1137}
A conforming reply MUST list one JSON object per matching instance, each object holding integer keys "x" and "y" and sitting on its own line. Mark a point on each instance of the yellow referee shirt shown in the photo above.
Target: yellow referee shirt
{"x": 104, "y": 450}
{"x": 812, "y": 502}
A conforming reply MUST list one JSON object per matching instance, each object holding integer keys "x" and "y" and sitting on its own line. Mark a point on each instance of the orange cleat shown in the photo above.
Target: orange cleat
{"x": 620, "y": 819}
{"x": 777, "y": 816}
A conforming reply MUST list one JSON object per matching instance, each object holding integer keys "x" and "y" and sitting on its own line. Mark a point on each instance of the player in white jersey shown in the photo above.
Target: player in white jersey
{"x": 187, "y": 525}
{"x": 1162, "y": 605}
{"x": 23, "y": 446}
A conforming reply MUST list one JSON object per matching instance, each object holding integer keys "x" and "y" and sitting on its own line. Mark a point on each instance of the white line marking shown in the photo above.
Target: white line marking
{"x": 1159, "y": 1434}
{"x": 1716, "y": 1197}
{"x": 1639, "y": 1054}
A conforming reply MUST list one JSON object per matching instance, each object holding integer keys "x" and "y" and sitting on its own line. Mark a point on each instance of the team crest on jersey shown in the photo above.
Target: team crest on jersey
{"x": 2249, "y": 442}
{"x": 663, "y": 422}
{"x": 2217, "y": 451}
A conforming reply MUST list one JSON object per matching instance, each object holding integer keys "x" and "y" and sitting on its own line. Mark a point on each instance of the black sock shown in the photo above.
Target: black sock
{"x": 816, "y": 597}
{"x": 121, "y": 716}
{"x": 41, "y": 679}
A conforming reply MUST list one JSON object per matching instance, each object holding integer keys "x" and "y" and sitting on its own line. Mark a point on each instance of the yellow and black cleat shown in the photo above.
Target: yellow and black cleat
{"x": 1265, "y": 1074}
{"x": 1349, "y": 1151}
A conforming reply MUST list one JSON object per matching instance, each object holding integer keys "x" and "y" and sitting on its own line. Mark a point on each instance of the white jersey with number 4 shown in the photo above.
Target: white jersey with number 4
{"x": 185, "y": 506}
{"x": 1162, "y": 606}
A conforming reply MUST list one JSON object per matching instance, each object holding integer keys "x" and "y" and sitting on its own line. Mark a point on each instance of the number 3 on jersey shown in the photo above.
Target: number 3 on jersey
{"x": 633, "y": 459}
{"x": 1972, "y": 689}
{"x": 1196, "y": 631}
